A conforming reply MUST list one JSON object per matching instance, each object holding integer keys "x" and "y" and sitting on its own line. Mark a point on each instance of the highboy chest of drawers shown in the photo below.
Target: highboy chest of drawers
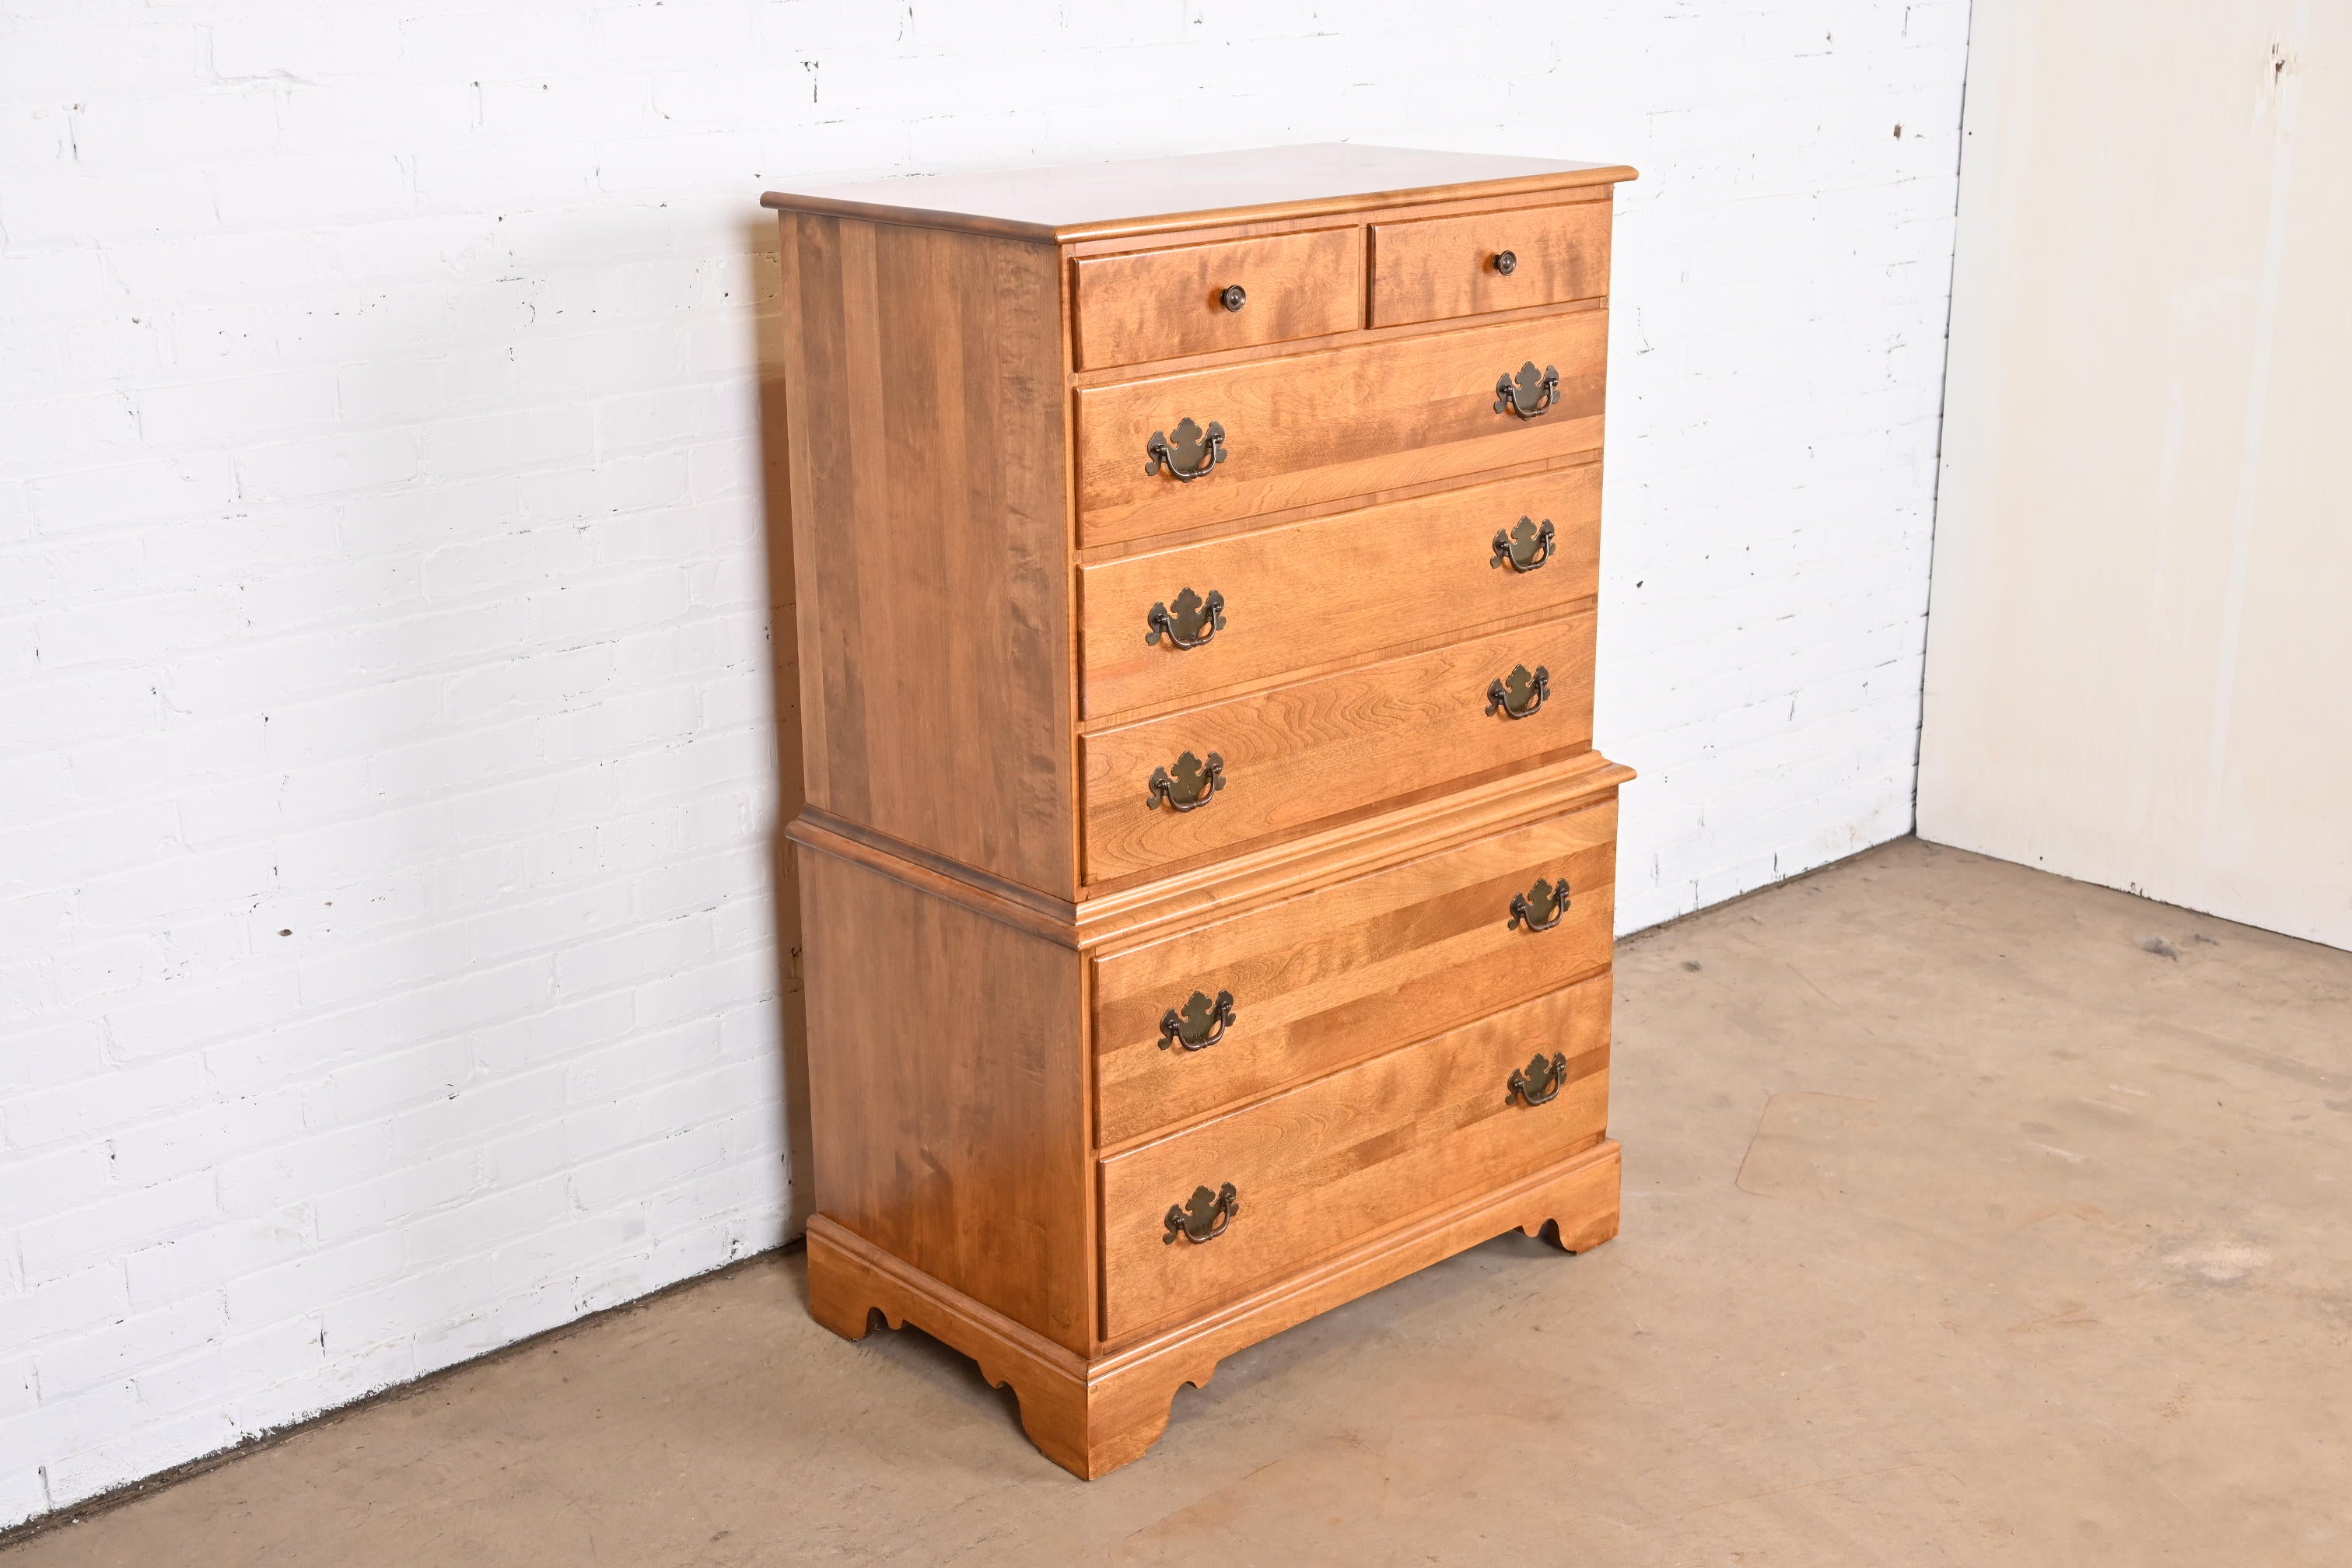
{"x": 1206, "y": 875}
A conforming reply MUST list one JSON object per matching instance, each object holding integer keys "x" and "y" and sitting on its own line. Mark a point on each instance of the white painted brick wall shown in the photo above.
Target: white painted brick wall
{"x": 388, "y": 947}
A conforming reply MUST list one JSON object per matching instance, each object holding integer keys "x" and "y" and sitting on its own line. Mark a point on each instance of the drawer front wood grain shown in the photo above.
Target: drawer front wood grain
{"x": 1335, "y": 974}
{"x": 1299, "y": 753}
{"x": 1304, "y": 429}
{"x": 1334, "y": 1160}
{"x": 1336, "y": 587}
{"x": 1442, "y": 267}
{"x": 1160, "y": 304}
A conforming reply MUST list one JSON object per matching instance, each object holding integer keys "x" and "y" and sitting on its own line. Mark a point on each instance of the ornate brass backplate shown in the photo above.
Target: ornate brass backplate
{"x": 1521, "y": 694}
{"x": 1530, "y": 393}
{"x": 1186, "y": 621}
{"x": 1541, "y": 906}
{"x": 1204, "y": 1216}
{"x": 1525, "y": 546}
{"x": 1200, "y": 1023}
{"x": 1189, "y": 454}
{"x": 1189, "y": 786}
{"x": 1539, "y": 1081}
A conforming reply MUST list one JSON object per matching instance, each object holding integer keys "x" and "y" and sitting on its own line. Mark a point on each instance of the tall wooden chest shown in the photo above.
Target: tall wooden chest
{"x": 1206, "y": 875}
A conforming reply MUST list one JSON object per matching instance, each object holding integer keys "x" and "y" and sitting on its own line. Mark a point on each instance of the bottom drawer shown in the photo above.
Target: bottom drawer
{"x": 1334, "y": 1160}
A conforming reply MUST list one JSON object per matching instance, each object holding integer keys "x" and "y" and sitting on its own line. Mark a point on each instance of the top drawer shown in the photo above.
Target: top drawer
{"x": 1197, "y": 298}
{"x": 1445, "y": 267}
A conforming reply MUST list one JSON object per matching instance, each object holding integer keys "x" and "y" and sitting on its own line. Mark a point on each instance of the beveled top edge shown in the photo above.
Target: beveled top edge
{"x": 1108, "y": 200}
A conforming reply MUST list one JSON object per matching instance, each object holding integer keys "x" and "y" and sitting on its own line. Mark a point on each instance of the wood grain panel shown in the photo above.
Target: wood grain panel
{"x": 1307, "y": 428}
{"x": 1440, "y": 268}
{"x": 947, "y": 1092}
{"x": 1345, "y": 1156}
{"x": 1324, "y": 590}
{"x": 1349, "y": 969}
{"x": 1298, "y": 753}
{"x": 930, "y": 535}
{"x": 1160, "y": 304}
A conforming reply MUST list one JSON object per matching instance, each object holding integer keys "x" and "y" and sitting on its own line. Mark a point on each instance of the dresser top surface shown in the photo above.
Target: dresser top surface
{"x": 1140, "y": 196}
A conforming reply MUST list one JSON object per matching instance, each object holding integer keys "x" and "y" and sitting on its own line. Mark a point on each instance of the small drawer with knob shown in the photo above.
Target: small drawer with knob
{"x": 1166, "y": 793}
{"x": 1434, "y": 269}
{"x": 1193, "y": 621}
{"x": 1213, "y": 1211}
{"x": 1197, "y": 299}
{"x": 1226, "y": 1012}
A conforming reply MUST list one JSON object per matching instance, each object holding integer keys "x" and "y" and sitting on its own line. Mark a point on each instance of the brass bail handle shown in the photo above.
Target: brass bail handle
{"x": 1186, "y": 621}
{"x": 1189, "y": 454}
{"x": 1521, "y": 693}
{"x": 1198, "y": 1024}
{"x": 1541, "y": 907}
{"x": 1538, "y": 1083}
{"x": 1191, "y": 786}
{"x": 1204, "y": 1217}
{"x": 1526, "y": 393}
{"x": 1526, "y": 546}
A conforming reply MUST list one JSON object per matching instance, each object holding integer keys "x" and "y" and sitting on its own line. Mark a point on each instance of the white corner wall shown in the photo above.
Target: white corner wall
{"x": 2142, "y": 634}
{"x": 389, "y": 962}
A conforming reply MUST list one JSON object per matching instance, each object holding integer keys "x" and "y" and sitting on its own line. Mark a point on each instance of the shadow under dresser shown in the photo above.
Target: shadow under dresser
{"x": 1207, "y": 876}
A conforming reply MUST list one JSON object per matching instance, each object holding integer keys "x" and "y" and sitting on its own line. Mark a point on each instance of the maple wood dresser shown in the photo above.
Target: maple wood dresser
{"x": 1206, "y": 875}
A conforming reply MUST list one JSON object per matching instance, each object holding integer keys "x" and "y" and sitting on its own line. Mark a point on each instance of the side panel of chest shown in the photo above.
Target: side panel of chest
{"x": 924, "y": 404}
{"x": 948, "y": 1092}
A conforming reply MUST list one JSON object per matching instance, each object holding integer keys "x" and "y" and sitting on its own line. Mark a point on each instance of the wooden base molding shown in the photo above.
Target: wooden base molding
{"x": 1092, "y": 1417}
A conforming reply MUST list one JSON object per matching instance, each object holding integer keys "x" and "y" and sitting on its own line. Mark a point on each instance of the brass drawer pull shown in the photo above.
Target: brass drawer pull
{"x": 1191, "y": 454}
{"x": 1191, "y": 624}
{"x": 1525, "y": 547}
{"x": 1193, "y": 786}
{"x": 1519, "y": 695}
{"x": 1538, "y": 1083}
{"x": 1234, "y": 298}
{"x": 1205, "y": 1217}
{"x": 1505, "y": 263}
{"x": 1541, "y": 907}
{"x": 1200, "y": 1024}
{"x": 1525, "y": 395}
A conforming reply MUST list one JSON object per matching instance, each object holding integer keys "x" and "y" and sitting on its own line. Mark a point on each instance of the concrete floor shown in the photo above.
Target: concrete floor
{"x": 1972, "y": 1217}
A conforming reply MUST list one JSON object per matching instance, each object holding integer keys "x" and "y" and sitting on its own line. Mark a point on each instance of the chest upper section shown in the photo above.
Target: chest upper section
{"x": 1191, "y": 505}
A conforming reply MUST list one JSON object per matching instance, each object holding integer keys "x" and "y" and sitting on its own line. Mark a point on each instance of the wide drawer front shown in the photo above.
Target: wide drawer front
{"x": 1271, "y": 1188}
{"x": 1173, "y": 788}
{"x": 1186, "y": 622}
{"x": 1439, "y": 268}
{"x": 1181, "y": 451}
{"x": 1226, "y": 1012}
{"x": 1195, "y": 298}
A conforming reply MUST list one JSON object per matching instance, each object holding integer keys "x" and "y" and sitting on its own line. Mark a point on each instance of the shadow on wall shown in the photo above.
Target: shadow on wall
{"x": 769, "y": 324}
